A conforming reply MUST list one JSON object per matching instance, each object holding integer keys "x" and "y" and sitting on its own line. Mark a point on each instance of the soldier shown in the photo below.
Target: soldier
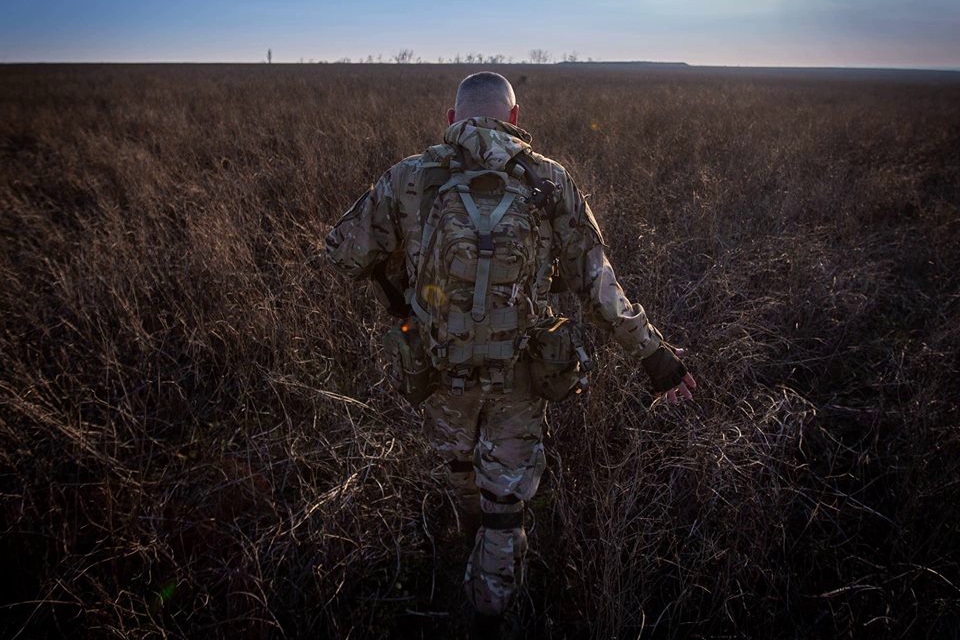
{"x": 485, "y": 420}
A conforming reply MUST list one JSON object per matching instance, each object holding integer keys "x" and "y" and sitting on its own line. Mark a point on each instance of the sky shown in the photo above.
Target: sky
{"x": 857, "y": 33}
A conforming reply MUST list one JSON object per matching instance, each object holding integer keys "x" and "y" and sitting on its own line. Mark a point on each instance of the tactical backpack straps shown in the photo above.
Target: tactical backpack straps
{"x": 442, "y": 172}
{"x": 434, "y": 173}
{"x": 485, "y": 224}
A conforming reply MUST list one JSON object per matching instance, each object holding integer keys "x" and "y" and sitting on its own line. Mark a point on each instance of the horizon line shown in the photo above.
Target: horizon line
{"x": 560, "y": 63}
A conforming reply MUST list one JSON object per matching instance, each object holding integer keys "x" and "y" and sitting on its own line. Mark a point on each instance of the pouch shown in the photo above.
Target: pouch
{"x": 558, "y": 358}
{"x": 408, "y": 364}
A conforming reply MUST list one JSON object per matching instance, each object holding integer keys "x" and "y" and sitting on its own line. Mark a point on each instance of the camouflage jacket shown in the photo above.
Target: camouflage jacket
{"x": 383, "y": 222}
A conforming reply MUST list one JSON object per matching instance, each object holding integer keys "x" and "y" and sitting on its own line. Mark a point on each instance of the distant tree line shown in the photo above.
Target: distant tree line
{"x": 407, "y": 56}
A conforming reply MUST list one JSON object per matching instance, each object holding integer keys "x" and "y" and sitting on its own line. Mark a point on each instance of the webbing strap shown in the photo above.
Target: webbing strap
{"x": 478, "y": 353}
{"x": 501, "y": 272}
{"x": 502, "y": 319}
{"x": 485, "y": 226}
{"x": 432, "y": 175}
{"x": 425, "y": 238}
{"x": 512, "y": 520}
{"x": 422, "y": 313}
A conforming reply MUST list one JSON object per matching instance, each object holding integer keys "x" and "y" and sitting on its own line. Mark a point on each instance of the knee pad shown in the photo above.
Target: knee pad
{"x": 509, "y": 520}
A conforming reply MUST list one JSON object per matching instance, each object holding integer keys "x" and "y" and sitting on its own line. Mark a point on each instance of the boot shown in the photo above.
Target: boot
{"x": 510, "y": 627}
{"x": 485, "y": 627}
{"x": 470, "y": 523}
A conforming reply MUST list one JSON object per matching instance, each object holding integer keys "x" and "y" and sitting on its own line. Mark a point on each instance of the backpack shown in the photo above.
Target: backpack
{"x": 483, "y": 249}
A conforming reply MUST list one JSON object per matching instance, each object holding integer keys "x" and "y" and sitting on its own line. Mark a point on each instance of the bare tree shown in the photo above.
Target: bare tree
{"x": 403, "y": 56}
{"x": 539, "y": 56}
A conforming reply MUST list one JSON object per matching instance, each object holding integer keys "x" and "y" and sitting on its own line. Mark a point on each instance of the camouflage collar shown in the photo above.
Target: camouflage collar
{"x": 489, "y": 141}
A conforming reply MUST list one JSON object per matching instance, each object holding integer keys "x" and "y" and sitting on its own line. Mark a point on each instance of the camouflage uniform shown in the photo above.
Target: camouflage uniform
{"x": 491, "y": 440}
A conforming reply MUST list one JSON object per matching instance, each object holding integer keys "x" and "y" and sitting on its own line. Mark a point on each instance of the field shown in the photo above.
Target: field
{"x": 198, "y": 440}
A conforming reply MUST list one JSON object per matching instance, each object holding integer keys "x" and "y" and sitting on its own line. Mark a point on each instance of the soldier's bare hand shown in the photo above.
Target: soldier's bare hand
{"x": 684, "y": 390}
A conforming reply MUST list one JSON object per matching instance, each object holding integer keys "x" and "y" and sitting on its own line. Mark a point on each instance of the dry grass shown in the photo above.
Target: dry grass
{"x": 197, "y": 440}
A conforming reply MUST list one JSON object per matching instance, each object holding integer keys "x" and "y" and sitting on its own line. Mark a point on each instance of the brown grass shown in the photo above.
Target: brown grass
{"x": 197, "y": 440}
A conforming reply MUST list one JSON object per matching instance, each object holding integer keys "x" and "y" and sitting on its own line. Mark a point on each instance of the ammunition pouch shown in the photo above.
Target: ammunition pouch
{"x": 558, "y": 358}
{"x": 408, "y": 364}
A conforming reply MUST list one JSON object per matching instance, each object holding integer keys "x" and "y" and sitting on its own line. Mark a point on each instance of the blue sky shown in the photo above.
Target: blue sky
{"x": 921, "y": 33}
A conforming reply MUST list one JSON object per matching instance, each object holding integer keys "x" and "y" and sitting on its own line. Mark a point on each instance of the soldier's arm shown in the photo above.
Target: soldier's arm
{"x": 584, "y": 266}
{"x": 588, "y": 273}
{"x": 367, "y": 233}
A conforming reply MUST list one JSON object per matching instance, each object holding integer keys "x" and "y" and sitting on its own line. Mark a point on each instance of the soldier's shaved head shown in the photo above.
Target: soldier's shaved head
{"x": 485, "y": 94}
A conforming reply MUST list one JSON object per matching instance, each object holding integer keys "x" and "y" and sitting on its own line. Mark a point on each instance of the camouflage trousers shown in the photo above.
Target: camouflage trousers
{"x": 492, "y": 443}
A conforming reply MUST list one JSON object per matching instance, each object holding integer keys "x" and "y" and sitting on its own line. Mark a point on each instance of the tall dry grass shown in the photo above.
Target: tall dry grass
{"x": 198, "y": 441}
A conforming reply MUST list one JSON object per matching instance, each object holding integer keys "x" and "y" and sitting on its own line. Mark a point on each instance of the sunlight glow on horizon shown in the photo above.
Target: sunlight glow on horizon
{"x": 700, "y": 32}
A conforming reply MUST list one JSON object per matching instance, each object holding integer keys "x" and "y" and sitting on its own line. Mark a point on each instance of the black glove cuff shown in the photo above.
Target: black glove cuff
{"x": 664, "y": 368}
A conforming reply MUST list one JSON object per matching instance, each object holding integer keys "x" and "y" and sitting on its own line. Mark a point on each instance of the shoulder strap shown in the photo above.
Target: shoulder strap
{"x": 433, "y": 174}
{"x": 485, "y": 224}
{"x": 442, "y": 160}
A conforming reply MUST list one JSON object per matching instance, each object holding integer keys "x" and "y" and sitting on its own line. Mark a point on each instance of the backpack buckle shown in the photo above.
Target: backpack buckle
{"x": 497, "y": 379}
{"x": 584, "y": 358}
{"x": 485, "y": 245}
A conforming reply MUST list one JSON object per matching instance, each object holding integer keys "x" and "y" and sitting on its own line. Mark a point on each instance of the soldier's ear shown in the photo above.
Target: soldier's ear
{"x": 514, "y": 113}
{"x": 451, "y": 116}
